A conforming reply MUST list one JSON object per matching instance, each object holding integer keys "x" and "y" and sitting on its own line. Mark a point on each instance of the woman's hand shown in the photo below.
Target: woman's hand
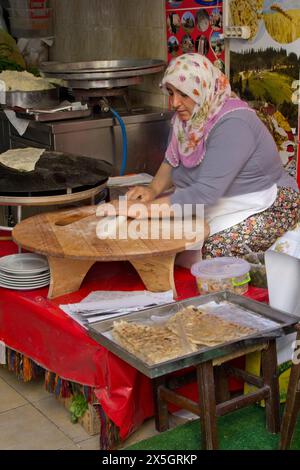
{"x": 161, "y": 182}
{"x": 141, "y": 193}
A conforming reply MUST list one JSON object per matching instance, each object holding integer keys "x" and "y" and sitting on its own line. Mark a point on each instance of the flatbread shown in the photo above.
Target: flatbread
{"x": 152, "y": 344}
{"x": 21, "y": 159}
{"x": 205, "y": 329}
{"x": 184, "y": 333}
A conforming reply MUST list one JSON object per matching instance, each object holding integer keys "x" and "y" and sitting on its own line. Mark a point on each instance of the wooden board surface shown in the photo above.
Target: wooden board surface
{"x": 72, "y": 234}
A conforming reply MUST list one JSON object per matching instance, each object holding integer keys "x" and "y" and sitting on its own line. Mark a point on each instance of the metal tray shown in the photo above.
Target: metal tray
{"x": 284, "y": 324}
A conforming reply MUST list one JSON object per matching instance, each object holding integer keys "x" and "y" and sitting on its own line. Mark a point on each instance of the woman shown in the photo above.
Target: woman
{"x": 222, "y": 156}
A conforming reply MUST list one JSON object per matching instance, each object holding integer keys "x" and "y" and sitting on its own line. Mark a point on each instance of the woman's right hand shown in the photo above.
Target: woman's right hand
{"x": 141, "y": 193}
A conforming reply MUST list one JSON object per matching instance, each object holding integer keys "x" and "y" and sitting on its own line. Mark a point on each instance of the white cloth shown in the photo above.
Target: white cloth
{"x": 233, "y": 210}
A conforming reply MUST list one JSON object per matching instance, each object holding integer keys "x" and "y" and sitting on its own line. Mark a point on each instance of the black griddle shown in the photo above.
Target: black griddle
{"x": 54, "y": 173}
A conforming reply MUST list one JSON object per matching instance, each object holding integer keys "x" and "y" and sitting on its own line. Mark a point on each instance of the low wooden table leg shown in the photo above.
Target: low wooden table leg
{"x": 157, "y": 272}
{"x": 270, "y": 376}
{"x": 208, "y": 416}
{"x": 160, "y": 406}
{"x": 66, "y": 275}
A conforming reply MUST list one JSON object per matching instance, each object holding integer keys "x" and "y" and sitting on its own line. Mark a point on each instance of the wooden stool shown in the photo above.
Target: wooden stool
{"x": 214, "y": 398}
{"x": 292, "y": 406}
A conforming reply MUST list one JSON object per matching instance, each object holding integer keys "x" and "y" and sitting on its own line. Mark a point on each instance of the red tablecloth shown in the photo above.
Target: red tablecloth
{"x": 36, "y": 327}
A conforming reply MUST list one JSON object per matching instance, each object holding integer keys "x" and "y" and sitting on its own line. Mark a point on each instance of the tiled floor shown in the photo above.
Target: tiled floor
{"x": 32, "y": 419}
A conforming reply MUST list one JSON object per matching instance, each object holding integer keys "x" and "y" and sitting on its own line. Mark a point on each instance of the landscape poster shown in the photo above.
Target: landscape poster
{"x": 266, "y": 67}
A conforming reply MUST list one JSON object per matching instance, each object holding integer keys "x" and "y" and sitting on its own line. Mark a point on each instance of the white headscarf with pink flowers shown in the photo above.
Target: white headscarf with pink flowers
{"x": 195, "y": 76}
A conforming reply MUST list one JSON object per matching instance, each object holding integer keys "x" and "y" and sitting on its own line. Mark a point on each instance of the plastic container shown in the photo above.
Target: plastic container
{"x": 257, "y": 269}
{"x": 31, "y": 22}
{"x": 219, "y": 274}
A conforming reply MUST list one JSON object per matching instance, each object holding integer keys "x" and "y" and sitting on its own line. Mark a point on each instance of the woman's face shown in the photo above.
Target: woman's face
{"x": 183, "y": 104}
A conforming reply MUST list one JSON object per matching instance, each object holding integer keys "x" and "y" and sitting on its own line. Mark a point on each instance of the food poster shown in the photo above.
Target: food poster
{"x": 196, "y": 26}
{"x": 265, "y": 68}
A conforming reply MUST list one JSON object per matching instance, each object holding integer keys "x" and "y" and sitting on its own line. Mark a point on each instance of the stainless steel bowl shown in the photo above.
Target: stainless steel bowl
{"x": 91, "y": 82}
{"x": 102, "y": 73}
{"x": 132, "y": 67}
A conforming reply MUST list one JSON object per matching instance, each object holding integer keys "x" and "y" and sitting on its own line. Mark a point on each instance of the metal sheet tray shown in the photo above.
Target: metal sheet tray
{"x": 284, "y": 324}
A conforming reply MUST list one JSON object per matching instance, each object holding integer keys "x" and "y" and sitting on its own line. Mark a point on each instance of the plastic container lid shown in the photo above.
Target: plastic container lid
{"x": 220, "y": 268}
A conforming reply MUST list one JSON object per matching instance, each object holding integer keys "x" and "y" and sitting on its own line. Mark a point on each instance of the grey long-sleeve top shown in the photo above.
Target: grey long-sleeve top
{"x": 241, "y": 157}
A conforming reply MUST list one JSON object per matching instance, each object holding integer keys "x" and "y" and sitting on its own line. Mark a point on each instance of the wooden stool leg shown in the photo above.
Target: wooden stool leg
{"x": 221, "y": 384}
{"x": 207, "y": 400}
{"x": 292, "y": 408}
{"x": 157, "y": 272}
{"x": 160, "y": 406}
{"x": 270, "y": 376}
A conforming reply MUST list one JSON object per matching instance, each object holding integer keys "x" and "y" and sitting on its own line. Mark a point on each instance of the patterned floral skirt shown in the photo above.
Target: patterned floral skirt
{"x": 260, "y": 231}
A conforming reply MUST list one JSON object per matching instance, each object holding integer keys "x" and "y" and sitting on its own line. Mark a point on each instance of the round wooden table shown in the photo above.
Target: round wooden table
{"x": 70, "y": 242}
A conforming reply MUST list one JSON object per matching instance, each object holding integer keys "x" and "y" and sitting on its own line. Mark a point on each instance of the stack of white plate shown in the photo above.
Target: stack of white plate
{"x": 25, "y": 271}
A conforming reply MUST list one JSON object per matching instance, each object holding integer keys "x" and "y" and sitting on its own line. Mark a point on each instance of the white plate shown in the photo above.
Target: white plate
{"x": 34, "y": 283}
{"x": 24, "y": 263}
{"x": 24, "y": 275}
{"x": 8, "y": 277}
{"x": 29, "y": 283}
{"x": 25, "y": 279}
{"x": 24, "y": 288}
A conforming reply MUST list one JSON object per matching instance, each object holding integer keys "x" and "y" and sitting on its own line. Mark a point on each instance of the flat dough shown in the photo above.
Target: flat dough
{"x": 109, "y": 227}
{"x": 152, "y": 344}
{"x": 21, "y": 159}
{"x": 205, "y": 329}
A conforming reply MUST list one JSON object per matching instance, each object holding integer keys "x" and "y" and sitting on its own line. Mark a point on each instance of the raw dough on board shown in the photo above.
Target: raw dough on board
{"x": 21, "y": 159}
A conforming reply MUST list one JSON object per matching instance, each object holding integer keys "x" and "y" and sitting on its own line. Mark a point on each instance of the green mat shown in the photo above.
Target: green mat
{"x": 242, "y": 430}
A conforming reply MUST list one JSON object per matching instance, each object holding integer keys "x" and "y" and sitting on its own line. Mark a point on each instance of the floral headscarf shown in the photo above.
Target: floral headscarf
{"x": 195, "y": 76}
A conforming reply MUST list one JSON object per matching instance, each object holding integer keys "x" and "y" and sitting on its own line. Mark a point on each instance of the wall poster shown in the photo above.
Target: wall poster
{"x": 265, "y": 68}
{"x": 196, "y": 26}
